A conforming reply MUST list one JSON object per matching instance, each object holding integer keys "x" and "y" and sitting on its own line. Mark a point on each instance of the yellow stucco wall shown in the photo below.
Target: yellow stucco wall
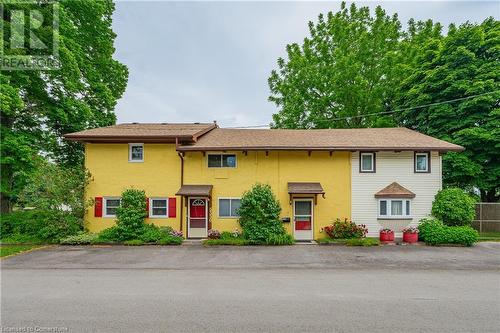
{"x": 277, "y": 169}
{"x": 158, "y": 175}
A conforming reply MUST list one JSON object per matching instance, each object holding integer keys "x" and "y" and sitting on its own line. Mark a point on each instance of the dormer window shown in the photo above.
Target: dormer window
{"x": 422, "y": 162}
{"x": 367, "y": 162}
{"x": 136, "y": 152}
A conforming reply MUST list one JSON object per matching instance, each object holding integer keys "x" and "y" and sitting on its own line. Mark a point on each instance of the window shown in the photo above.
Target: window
{"x": 110, "y": 206}
{"x": 422, "y": 162}
{"x": 158, "y": 207}
{"x": 367, "y": 162}
{"x": 136, "y": 152}
{"x": 222, "y": 161}
{"x": 394, "y": 208}
{"x": 228, "y": 207}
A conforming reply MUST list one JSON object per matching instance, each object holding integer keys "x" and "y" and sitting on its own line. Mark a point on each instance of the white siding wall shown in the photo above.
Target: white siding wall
{"x": 393, "y": 167}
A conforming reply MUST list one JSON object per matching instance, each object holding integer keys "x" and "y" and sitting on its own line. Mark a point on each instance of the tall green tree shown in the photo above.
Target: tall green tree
{"x": 347, "y": 67}
{"x": 463, "y": 64}
{"x": 38, "y": 107}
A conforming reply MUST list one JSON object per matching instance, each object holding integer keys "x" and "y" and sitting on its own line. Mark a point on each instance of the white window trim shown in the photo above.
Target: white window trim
{"x": 389, "y": 203}
{"x": 372, "y": 155}
{"x": 218, "y": 207}
{"x": 223, "y": 167}
{"x": 427, "y": 156}
{"x": 105, "y": 205}
{"x": 130, "y": 145}
{"x": 153, "y": 216}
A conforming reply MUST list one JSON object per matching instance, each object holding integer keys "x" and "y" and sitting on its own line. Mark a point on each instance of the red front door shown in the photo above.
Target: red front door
{"x": 197, "y": 217}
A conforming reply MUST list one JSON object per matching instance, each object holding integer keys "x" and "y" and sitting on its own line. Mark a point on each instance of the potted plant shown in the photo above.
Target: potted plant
{"x": 410, "y": 234}
{"x": 386, "y": 235}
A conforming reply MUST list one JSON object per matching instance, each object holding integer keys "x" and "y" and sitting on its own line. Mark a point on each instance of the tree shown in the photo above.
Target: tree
{"x": 347, "y": 67}
{"x": 38, "y": 107}
{"x": 461, "y": 65}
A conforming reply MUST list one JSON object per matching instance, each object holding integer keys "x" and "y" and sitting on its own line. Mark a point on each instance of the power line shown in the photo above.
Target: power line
{"x": 385, "y": 112}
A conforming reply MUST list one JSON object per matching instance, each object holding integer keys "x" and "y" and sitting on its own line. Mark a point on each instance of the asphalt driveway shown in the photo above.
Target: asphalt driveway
{"x": 253, "y": 289}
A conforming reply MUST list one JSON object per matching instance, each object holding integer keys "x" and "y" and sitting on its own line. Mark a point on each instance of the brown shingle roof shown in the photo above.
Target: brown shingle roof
{"x": 394, "y": 190}
{"x": 320, "y": 139}
{"x": 305, "y": 188}
{"x": 142, "y": 133}
{"x": 195, "y": 190}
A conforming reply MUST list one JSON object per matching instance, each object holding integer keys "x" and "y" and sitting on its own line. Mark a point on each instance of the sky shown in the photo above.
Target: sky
{"x": 204, "y": 61}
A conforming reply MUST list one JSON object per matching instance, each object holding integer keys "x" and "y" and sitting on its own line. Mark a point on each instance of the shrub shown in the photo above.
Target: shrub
{"x": 134, "y": 242}
{"x": 259, "y": 214}
{"x": 109, "y": 235}
{"x": 170, "y": 240}
{"x": 345, "y": 229}
{"x": 434, "y": 232}
{"x": 362, "y": 242}
{"x": 131, "y": 214}
{"x": 285, "y": 239}
{"x": 213, "y": 234}
{"x": 166, "y": 230}
{"x": 150, "y": 234}
{"x": 79, "y": 239}
{"x": 44, "y": 225}
{"x": 427, "y": 226}
{"x": 454, "y": 207}
{"x": 230, "y": 241}
{"x": 231, "y": 235}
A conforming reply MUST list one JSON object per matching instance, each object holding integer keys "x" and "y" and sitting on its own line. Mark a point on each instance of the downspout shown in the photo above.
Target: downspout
{"x": 182, "y": 183}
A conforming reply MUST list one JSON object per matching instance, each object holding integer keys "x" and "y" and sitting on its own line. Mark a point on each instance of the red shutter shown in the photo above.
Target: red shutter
{"x": 147, "y": 207}
{"x": 98, "y": 207}
{"x": 172, "y": 207}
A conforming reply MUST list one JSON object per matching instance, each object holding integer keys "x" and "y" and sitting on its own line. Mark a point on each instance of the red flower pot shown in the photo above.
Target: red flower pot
{"x": 387, "y": 236}
{"x": 410, "y": 237}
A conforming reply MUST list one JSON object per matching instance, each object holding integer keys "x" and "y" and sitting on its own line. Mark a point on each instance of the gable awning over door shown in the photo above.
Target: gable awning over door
{"x": 195, "y": 190}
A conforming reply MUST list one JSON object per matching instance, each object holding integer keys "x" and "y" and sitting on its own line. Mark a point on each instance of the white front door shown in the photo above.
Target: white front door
{"x": 197, "y": 217}
{"x": 303, "y": 219}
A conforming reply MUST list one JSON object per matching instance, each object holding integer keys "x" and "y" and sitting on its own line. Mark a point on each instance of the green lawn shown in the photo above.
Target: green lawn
{"x": 489, "y": 236}
{"x": 7, "y": 250}
{"x": 368, "y": 241}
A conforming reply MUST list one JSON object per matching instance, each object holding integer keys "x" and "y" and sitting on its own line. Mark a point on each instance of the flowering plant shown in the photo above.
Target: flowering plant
{"x": 386, "y": 231}
{"x": 213, "y": 234}
{"x": 410, "y": 230}
{"x": 345, "y": 229}
{"x": 176, "y": 233}
{"x": 236, "y": 233}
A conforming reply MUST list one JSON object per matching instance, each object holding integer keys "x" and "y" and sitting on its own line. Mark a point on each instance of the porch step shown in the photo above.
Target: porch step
{"x": 299, "y": 242}
{"x": 191, "y": 242}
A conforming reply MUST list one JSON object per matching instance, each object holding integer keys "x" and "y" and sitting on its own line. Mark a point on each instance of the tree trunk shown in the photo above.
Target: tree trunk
{"x": 6, "y": 207}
